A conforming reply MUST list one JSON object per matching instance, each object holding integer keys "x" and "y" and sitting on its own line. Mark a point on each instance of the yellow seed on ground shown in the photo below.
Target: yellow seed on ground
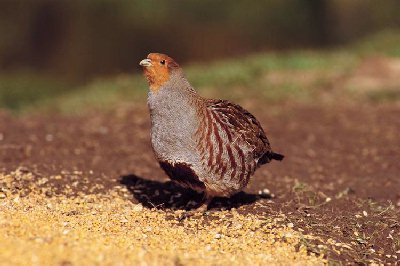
{"x": 109, "y": 229}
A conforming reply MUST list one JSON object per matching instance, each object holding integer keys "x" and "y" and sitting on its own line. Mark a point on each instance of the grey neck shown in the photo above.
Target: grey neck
{"x": 177, "y": 91}
{"x": 173, "y": 118}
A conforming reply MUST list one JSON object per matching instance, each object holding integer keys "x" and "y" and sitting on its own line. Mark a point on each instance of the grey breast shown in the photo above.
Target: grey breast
{"x": 173, "y": 123}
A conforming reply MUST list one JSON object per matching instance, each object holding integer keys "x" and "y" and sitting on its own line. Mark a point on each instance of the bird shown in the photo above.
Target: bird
{"x": 211, "y": 146}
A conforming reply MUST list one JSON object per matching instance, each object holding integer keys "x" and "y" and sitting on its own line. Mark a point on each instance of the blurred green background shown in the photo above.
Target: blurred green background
{"x": 67, "y": 54}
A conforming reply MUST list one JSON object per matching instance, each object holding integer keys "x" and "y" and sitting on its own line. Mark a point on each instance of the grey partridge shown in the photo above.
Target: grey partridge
{"x": 211, "y": 146}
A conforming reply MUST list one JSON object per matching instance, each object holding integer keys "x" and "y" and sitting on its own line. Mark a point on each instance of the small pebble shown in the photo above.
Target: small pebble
{"x": 328, "y": 199}
{"x": 49, "y": 137}
{"x": 138, "y": 208}
{"x": 266, "y": 191}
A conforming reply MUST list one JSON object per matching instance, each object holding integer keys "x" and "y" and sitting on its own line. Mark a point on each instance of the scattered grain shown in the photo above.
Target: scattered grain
{"x": 109, "y": 229}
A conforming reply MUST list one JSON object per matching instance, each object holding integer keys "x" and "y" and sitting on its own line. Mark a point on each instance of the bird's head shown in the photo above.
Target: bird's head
{"x": 158, "y": 69}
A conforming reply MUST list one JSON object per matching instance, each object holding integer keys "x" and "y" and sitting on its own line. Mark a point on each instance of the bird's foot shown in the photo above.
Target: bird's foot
{"x": 186, "y": 215}
{"x": 201, "y": 211}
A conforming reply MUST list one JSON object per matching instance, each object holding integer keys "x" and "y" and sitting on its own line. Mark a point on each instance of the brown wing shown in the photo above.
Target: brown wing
{"x": 231, "y": 142}
{"x": 243, "y": 126}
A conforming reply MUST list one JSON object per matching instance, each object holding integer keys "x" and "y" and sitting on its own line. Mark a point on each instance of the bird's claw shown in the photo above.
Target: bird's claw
{"x": 184, "y": 216}
{"x": 188, "y": 214}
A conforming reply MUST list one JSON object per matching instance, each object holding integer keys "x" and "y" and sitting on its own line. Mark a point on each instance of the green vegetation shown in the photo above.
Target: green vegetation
{"x": 20, "y": 90}
{"x": 385, "y": 42}
{"x": 388, "y": 95}
{"x": 267, "y": 77}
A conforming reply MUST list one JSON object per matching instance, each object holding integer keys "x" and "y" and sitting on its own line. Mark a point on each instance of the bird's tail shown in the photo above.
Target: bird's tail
{"x": 268, "y": 156}
{"x": 277, "y": 156}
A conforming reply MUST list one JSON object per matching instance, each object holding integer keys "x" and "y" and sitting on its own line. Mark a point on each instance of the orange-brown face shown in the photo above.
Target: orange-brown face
{"x": 157, "y": 69}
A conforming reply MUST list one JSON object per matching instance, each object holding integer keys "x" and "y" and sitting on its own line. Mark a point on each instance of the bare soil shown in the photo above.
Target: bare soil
{"x": 339, "y": 180}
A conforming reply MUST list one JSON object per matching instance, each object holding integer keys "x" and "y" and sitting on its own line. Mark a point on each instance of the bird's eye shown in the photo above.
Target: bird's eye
{"x": 162, "y": 62}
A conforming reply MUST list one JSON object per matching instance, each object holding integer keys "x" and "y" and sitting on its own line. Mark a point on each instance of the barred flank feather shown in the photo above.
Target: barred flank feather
{"x": 232, "y": 142}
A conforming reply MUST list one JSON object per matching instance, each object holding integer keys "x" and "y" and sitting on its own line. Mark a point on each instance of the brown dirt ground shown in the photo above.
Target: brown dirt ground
{"x": 339, "y": 181}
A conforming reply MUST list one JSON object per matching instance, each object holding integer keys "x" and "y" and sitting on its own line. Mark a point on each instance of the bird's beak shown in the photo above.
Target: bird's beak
{"x": 145, "y": 63}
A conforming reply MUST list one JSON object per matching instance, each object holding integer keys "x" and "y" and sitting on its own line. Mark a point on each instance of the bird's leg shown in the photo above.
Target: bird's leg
{"x": 201, "y": 209}
{"x": 203, "y": 206}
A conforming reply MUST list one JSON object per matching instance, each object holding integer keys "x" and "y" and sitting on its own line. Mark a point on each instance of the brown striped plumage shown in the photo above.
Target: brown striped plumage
{"x": 231, "y": 143}
{"x": 213, "y": 146}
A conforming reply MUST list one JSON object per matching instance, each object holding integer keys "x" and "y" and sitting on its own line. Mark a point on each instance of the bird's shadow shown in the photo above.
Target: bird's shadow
{"x": 168, "y": 195}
